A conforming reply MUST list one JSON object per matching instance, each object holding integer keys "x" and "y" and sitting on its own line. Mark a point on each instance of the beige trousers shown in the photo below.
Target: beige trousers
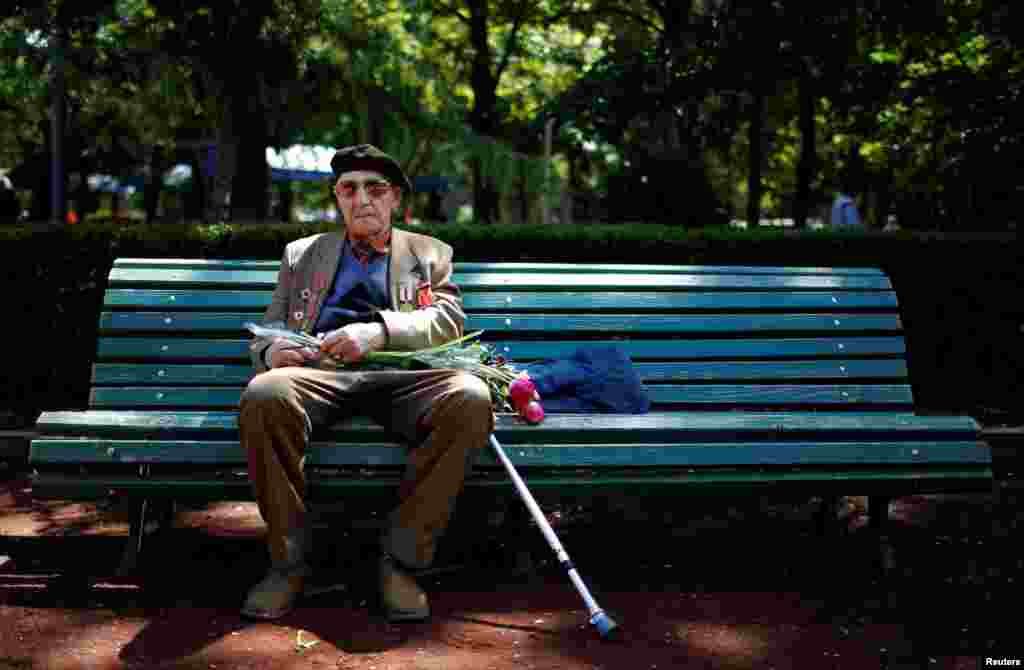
{"x": 442, "y": 414}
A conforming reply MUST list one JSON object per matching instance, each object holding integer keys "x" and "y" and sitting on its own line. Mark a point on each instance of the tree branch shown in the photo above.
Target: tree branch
{"x": 449, "y": 10}
{"x": 602, "y": 11}
{"x": 510, "y": 42}
{"x": 661, "y": 7}
{"x": 422, "y": 152}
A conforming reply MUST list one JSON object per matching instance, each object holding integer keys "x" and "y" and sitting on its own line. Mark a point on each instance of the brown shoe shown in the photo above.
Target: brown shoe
{"x": 401, "y": 596}
{"x": 273, "y": 597}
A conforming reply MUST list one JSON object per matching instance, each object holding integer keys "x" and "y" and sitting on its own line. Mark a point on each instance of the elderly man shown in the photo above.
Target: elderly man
{"x": 366, "y": 288}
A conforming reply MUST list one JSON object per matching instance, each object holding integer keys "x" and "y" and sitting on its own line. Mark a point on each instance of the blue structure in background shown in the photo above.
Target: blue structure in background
{"x": 298, "y": 163}
{"x": 427, "y": 184}
{"x": 109, "y": 184}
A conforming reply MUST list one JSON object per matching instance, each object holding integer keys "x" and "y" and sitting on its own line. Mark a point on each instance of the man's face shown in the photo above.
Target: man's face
{"x": 367, "y": 201}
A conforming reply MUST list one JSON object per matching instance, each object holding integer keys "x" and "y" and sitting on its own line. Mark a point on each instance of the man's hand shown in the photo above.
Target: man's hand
{"x": 350, "y": 343}
{"x": 283, "y": 353}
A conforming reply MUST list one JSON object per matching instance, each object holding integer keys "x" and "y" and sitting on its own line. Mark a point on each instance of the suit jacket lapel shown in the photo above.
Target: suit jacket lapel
{"x": 401, "y": 264}
{"x": 325, "y": 264}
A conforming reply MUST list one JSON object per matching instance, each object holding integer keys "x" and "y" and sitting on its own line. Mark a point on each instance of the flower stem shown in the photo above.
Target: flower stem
{"x": 391, "y": 355}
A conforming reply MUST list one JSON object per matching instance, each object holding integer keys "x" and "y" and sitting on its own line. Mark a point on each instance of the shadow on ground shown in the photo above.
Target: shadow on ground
{"x": 701, "y": 584}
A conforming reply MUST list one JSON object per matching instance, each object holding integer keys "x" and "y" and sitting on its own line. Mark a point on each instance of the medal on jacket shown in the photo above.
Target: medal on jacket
{"x": 424, "y": 296}
{"x": 405, "y": 297}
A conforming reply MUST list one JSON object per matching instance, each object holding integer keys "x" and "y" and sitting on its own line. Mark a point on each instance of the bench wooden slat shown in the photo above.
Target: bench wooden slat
{"x": 134, "y": 374}
{"x": 265, "y": 279}
{"x": 702, "y": 394}
{"x": 782, "y": 394}
{"x": 554, "y": 281}
{"x": 817, "y": 480}
{"x": 726, "y": 348}
{"x": 844, "y": 370}
{"x": 811, "y": 481}
{"x": 673, "y": 426}
{"x": 618, "y": 268}
{"x": 178, "y": 348}
{"x": 257, "y": 301}
{"x": 537, "y": 454}
{"x": 558, "y": 323}
{"x": 221, "y": 299}
{"x": 717, "y": 323}
{"x": 841, "y": 370}
{"x": 679, "y": 301}
{"x": 218, "y": 264}
{"x": 172, "y": 349}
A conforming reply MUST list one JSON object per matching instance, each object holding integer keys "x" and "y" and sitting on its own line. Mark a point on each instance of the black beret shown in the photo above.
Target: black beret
{"x": 369, "y": 157}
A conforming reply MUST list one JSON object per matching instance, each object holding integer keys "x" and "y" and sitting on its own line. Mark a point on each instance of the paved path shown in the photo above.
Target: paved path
{"x": 714, "y": 587}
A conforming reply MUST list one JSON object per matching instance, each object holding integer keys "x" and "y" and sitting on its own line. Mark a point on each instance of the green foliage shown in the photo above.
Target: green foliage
{"x": 22, "y": 89}
{"x": 917, "y": 95}
{"x": 881, "y": 56}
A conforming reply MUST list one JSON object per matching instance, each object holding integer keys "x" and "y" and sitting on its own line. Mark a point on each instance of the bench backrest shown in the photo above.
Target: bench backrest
{"x": 702, "y": 337}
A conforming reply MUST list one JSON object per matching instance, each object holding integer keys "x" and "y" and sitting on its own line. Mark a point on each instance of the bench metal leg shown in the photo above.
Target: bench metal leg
{"x": 878, "y": 513}
{"x": 146, "y": 513}
{"x": 825, "y": 516}
{"x": 136, "y": 531}
{"x": 1001, "y": 509}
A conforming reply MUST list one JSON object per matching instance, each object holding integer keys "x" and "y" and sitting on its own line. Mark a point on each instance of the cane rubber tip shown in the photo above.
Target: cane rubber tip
{"x": 605, "y": 625}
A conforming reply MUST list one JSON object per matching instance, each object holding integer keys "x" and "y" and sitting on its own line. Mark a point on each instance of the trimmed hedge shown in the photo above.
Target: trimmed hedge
{"x": 960, "y": 295}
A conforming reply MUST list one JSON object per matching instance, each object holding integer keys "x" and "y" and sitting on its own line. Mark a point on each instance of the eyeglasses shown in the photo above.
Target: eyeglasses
{"x": 375, "y": 188}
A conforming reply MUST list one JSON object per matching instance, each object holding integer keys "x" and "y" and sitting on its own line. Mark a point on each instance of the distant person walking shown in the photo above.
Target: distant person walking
{"x": 844, "y": 211}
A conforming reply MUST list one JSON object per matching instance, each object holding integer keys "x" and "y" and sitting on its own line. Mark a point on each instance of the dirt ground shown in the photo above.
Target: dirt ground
{"x": 693, "y": 585}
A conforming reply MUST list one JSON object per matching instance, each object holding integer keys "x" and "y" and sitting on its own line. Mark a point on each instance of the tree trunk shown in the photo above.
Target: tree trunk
{"x": 855, "y": 170}
{"x": 524, "y": 195}
{"x": 39, "y": 180}
{"x": 154, "y": 184}
{"x": 374, "y": 117}
{"x": 754, "y": 167}
{"x": 86, "y": 200}
{"x": 287, "y": 194}
{"x": 195, "y": 199}
{"x": 808, "y": 148}
{"x": 219, "y": 205}
{"x": 972, "y": 217}
{"x": 884, "y": 203}
{"x": 250, "y": 187}
{"x": 482, "y": 118}
{"x": 434, "y": 211}
{"x": 58, "y": 173}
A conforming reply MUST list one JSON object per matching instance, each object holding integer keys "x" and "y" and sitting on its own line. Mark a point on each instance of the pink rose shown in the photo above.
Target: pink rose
{"x": 533, "y": 413}
{"x": 520, "y": 392}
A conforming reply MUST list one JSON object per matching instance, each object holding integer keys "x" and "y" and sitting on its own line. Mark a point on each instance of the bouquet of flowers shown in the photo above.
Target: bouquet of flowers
{"x": 511, "y": 389}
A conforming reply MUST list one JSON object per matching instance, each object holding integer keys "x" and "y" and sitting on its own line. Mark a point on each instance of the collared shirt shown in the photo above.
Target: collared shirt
{"x": 359, "y": 290}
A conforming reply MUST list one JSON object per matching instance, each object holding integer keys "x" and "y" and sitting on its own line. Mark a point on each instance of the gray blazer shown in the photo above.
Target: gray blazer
{"x": 307, "y": 270}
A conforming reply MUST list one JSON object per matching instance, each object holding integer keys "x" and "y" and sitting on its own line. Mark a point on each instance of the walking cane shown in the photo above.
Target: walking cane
{"x": 602, "y": 622}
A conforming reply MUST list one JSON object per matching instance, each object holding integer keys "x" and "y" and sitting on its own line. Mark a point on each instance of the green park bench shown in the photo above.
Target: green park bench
{"x": 763, "y": 380}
